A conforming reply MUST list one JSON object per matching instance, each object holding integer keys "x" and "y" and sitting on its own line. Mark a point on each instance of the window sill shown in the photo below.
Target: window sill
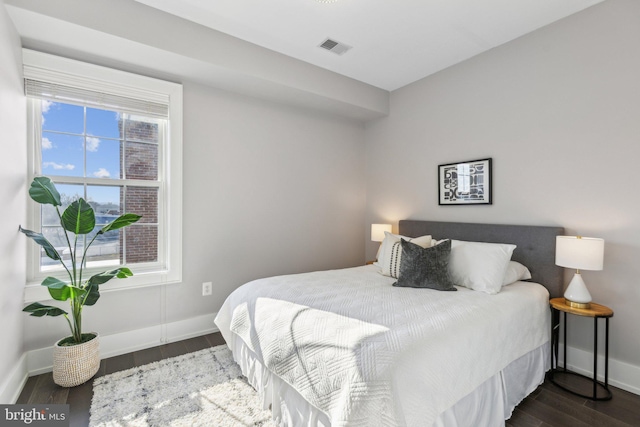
{"x": 35, "y": 292}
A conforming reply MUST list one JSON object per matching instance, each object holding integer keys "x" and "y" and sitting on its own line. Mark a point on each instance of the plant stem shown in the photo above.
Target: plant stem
{"x": 84, "y": 256}
{"x": 76, "y": 309}
{"x": 73, "y": 257}
{"x": 77, "y": 317}
{"x": 73, "y": 332}
{"x": 68, "y": 244}
{"x": 79, "y": 325}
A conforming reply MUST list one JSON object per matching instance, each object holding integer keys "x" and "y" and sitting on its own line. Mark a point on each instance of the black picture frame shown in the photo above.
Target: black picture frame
{"x": 465, "y": 183}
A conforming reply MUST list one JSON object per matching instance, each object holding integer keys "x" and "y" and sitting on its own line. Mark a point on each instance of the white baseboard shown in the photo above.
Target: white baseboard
{"x": 40, "y": 360}
{"x": 622, "y": 375}
{"x": 11, "y": 387}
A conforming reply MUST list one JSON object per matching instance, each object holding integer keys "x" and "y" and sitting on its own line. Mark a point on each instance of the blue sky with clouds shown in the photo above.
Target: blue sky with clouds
{"x": 63, "y": 146}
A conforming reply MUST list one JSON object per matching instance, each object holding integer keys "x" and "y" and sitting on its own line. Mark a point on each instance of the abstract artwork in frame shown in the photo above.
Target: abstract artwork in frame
{"x": 465, "y": 183}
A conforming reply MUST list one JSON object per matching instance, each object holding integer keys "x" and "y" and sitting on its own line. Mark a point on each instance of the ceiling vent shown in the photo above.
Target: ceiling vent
{"x": 334, "y": 46}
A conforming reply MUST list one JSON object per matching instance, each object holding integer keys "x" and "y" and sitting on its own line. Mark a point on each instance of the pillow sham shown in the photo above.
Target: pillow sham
{"x": 479, "y": 266}
{"x": 391, "y": 252}
{"x": 515, "y": 272}
{"x": 425, "y": 267}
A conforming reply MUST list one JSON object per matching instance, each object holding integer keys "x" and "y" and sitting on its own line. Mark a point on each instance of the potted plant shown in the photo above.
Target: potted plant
{"x": 76, "y": 358}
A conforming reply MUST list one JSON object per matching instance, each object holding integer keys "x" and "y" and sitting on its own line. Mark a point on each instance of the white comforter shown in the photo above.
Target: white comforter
{"x": 369, "y": 354}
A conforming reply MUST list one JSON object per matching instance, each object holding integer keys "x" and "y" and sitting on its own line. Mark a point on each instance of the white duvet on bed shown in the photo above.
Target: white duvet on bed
{"x": 366, "y": 353}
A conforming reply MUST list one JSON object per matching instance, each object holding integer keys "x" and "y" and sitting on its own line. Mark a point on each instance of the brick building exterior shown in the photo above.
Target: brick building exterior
{"x": 140, "y": 162}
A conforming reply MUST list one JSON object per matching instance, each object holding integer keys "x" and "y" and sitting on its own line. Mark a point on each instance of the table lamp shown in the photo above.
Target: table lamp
{"x": 581, "y": 253}
{"x": 377, "y": 231}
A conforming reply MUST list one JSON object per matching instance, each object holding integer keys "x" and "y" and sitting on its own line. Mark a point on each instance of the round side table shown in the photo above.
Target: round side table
{"x": 596, "y": 311}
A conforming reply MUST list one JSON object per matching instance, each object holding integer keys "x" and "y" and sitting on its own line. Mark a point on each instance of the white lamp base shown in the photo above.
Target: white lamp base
{"x": 577, "y": 295}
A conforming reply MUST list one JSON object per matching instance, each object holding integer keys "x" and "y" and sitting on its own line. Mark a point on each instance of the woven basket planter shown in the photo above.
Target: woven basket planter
{"x": 76, "y": 364}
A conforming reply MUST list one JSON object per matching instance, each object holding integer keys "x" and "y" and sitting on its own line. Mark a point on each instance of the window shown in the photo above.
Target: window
{"x": 113, "y": 138}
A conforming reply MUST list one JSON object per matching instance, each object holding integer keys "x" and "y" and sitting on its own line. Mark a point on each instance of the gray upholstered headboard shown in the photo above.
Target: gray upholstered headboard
{"x": 536, "y": 245}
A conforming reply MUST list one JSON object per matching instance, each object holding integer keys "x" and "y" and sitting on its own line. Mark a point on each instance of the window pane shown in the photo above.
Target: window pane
{"x": 103, "y": 123}
{"x": 141, "y": 129}
{"x": 141, "y": 243}
{"x": 98, "y": 153}
{"x": 56, "y": 236}
{"x": 103, "y": 158}
{"x": 141, "y": 161}
{"x": 62, "y": 117}
{"x": 62, "y": 154}
{"x": 105, "y": 201}
{"x": 141, "y": 148}
{"x": 105, "y": 248}
{"x": 142, "y": 201}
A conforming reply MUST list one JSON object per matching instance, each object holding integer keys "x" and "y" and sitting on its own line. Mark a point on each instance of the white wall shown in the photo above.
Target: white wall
{"x": 559, "y": 112}
{"x": 12, "y": 191}
{"x": 268, "y": 189}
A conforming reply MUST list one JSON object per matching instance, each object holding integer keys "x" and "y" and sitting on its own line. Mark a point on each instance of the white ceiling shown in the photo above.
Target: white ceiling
{"x": 395, "y": 42}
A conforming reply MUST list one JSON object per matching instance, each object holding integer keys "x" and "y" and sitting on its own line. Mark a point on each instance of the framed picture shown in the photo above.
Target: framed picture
{"x": 465, "y": 183}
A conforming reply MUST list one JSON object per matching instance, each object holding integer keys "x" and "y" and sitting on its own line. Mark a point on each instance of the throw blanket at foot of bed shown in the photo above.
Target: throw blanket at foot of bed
{"x": 367, "y": 353}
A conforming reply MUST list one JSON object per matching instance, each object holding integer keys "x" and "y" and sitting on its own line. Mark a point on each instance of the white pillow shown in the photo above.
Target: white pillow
{"x": 515, "y": 272}
{"x": 391, "y": 252}
{"x": 479, "y": 266}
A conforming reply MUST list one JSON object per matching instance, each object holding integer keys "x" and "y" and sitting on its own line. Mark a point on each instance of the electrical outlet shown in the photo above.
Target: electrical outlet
{"x": 206, "y": 289}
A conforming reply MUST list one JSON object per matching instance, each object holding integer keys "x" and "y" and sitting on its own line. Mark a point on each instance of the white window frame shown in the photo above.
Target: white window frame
{"x": 54, "y": 69}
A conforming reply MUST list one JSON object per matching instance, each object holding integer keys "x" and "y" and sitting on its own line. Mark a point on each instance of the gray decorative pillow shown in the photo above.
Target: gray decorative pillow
{"x": 425, "y": 267}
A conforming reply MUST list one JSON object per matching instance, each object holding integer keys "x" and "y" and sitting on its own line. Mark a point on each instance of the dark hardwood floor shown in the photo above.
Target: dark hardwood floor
{"x": 548, "y": 406}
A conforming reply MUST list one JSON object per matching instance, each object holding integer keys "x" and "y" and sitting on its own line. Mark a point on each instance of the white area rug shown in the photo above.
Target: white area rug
{"x": 205, "y": 388}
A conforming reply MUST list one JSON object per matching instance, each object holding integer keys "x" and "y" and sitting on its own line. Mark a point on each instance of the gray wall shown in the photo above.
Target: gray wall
{"x": 268, "y": 189}
{"x": 559, "y": 112}
{"x": 13, "y": 178}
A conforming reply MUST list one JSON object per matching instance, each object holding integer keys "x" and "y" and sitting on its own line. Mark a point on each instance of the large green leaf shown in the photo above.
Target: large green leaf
{"x": 42, "y": 241}
{"x": 94, "y": 294}
{"x": 94, "y": 282}
{"x": 44, "y": 191}
{"x": 122, "y": 221}
{"x": 59, "y": 290}
{"x": 124, "y": 272}
{"x": 105, "y": 276}
{"x": 38, "y": 310}
{"x": 79, "y": 217}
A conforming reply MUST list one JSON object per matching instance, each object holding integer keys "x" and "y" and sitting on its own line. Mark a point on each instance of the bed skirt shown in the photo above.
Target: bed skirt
{"x": 488, "y": 405}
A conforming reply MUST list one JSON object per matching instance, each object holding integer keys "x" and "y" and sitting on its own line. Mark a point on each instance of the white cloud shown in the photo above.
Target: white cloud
{"x": 102, "y": 173}
{"x": 93, "y": 143}
{"x": 46, "y": 144}
{"x": 59, "y": 166}
{"x": 46, "y": 105}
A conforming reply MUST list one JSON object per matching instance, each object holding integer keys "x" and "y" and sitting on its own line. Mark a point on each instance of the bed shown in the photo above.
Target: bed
{"x": 346, "y": 348}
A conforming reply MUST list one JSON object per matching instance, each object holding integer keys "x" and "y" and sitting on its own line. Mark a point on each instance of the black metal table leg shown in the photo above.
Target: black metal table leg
{"x": 564, "y": 341}
{"x": 606, "y": 354}
{"x": 595, "y": 357}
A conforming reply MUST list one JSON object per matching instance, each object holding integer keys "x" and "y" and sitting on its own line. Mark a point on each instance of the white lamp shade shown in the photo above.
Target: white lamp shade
{"x": 581, "y": 253}
{"x": 377, "y": 231}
